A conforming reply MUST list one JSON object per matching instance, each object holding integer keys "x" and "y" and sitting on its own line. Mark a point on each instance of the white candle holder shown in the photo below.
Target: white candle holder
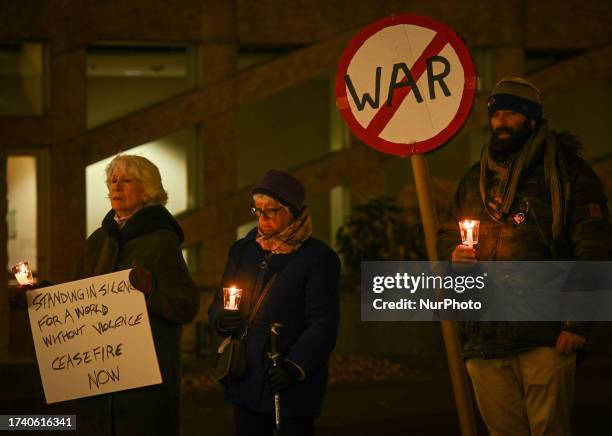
{"x": 23, "y": 273}
{"x": 469, "y": 230}
{"x": 231, "y": 298}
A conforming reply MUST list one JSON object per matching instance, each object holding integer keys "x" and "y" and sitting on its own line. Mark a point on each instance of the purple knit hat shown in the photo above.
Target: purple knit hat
{"x": 282, "y": 187}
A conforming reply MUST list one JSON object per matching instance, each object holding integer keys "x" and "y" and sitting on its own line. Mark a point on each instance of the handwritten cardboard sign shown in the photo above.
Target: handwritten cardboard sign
{"x": 92, "y": 336}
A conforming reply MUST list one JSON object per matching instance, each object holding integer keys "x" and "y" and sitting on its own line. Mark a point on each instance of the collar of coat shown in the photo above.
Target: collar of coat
{"x": 290, "y": 238}
{"x": 556, "y": 148}
{"x": 146, "y": 220}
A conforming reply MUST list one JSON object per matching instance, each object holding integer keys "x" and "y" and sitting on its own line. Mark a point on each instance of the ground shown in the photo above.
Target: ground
{"x": 421, "y": 403}
{"x": 418, "y": 402}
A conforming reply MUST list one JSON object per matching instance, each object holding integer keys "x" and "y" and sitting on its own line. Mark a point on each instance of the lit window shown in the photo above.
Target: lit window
{"x": 339, "y": 209}
{"x": 192, "y": 255}
{"x": 124, "y": 78}
{"x": 245, "y": 228}
{"x": 22, "y": 210}
{"x": 177, "y": 159}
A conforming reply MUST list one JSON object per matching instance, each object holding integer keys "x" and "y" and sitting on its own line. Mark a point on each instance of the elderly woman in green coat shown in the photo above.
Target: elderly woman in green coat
{"x": 140, "y": 233}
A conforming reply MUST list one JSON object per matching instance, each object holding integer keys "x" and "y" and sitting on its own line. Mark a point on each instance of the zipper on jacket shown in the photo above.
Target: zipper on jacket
{"x": 498, "y": 239}
{"x": 548, "y": 243}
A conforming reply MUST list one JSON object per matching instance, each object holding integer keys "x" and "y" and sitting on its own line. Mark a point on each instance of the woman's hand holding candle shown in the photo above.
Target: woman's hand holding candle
{"x": 17, "y": 294}
{"x": 229, "y": 320}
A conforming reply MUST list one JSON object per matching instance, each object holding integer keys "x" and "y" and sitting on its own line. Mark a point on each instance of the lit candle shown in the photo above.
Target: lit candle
{"x": 23, "y": 274}
{"x": 469, "y": 232}
{"x": 231, "y": 298}
{"x": 470, "y": 238}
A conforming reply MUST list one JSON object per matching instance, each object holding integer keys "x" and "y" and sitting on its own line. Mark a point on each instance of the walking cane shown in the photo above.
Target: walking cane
{"x": 274, "y": 356}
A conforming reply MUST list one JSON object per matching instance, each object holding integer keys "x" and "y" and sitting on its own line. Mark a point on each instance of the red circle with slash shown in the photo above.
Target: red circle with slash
{"x": 405, "y": 84}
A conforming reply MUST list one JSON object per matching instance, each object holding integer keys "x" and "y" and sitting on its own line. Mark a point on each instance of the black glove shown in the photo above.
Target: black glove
{"x": 282, "y": 375}
{"x": 229, "y": 320}
{"x": 17, "y": 296}
{"x": 141, "y": 279}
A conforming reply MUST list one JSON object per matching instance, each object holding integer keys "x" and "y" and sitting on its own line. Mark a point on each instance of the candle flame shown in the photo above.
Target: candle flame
{"x": 23, "y": 273}
{"x": 467, "y": 224}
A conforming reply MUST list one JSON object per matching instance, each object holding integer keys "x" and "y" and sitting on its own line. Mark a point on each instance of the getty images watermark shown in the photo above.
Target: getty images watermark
{"x": 488, "y": 291}
{"x": 427, "y": 282}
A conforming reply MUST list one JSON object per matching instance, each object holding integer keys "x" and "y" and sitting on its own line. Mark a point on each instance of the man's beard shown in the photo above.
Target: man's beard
{"x": 512, "y": 143}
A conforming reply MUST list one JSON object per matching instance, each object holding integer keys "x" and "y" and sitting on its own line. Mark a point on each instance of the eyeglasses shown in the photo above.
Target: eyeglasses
{"x": 267, "y": 213}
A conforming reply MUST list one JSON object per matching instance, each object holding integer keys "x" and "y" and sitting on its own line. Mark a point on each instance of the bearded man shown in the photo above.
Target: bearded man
{"x": 536, "y": 200}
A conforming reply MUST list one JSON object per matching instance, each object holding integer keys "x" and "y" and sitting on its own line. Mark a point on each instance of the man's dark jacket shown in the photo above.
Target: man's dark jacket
{"x": 305, "y": 300}
{"x": 152, "y": 238}
{"x": 585, "y": 236}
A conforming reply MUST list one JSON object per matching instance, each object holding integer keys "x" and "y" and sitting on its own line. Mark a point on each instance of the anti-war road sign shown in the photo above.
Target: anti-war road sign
{"x": 405, "y": 84}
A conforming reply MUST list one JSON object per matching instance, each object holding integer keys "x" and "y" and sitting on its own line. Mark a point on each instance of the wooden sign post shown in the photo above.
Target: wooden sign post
{"x": 405, "y": 86}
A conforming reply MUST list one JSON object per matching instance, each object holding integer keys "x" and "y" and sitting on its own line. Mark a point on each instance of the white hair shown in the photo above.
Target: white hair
{"x": 142, "y": 169}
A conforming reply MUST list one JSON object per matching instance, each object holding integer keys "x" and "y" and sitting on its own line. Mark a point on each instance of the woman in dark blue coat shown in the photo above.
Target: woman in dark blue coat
{"x": 303, "y": 298}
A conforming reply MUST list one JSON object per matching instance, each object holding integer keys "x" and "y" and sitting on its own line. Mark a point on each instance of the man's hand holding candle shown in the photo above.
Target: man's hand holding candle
{"x": 464, "y": 255}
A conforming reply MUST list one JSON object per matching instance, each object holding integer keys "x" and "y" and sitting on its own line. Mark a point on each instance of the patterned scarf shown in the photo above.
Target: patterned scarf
{"x": 500, "y": 207}
{"x": 290, "y": 238}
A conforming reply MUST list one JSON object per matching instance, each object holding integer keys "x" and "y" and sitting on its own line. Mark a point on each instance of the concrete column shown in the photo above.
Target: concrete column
{"x": 67, "y": 217}
{"x": 217, "y": 62}
{"x": 366, "y": 179}
{"x": 507, "y": 62}
{"x": 508, "y": 54}
{"x": 67, "y": 165}
{"x": 507, "y": 59}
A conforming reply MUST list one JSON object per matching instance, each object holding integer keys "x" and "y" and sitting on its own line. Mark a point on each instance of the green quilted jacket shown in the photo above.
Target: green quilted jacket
{"x": 151, "y": 237}
{"x": 586, "y": 235}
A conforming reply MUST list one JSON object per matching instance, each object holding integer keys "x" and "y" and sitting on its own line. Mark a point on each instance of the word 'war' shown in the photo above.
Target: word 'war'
{"x": 402, "y": 77}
